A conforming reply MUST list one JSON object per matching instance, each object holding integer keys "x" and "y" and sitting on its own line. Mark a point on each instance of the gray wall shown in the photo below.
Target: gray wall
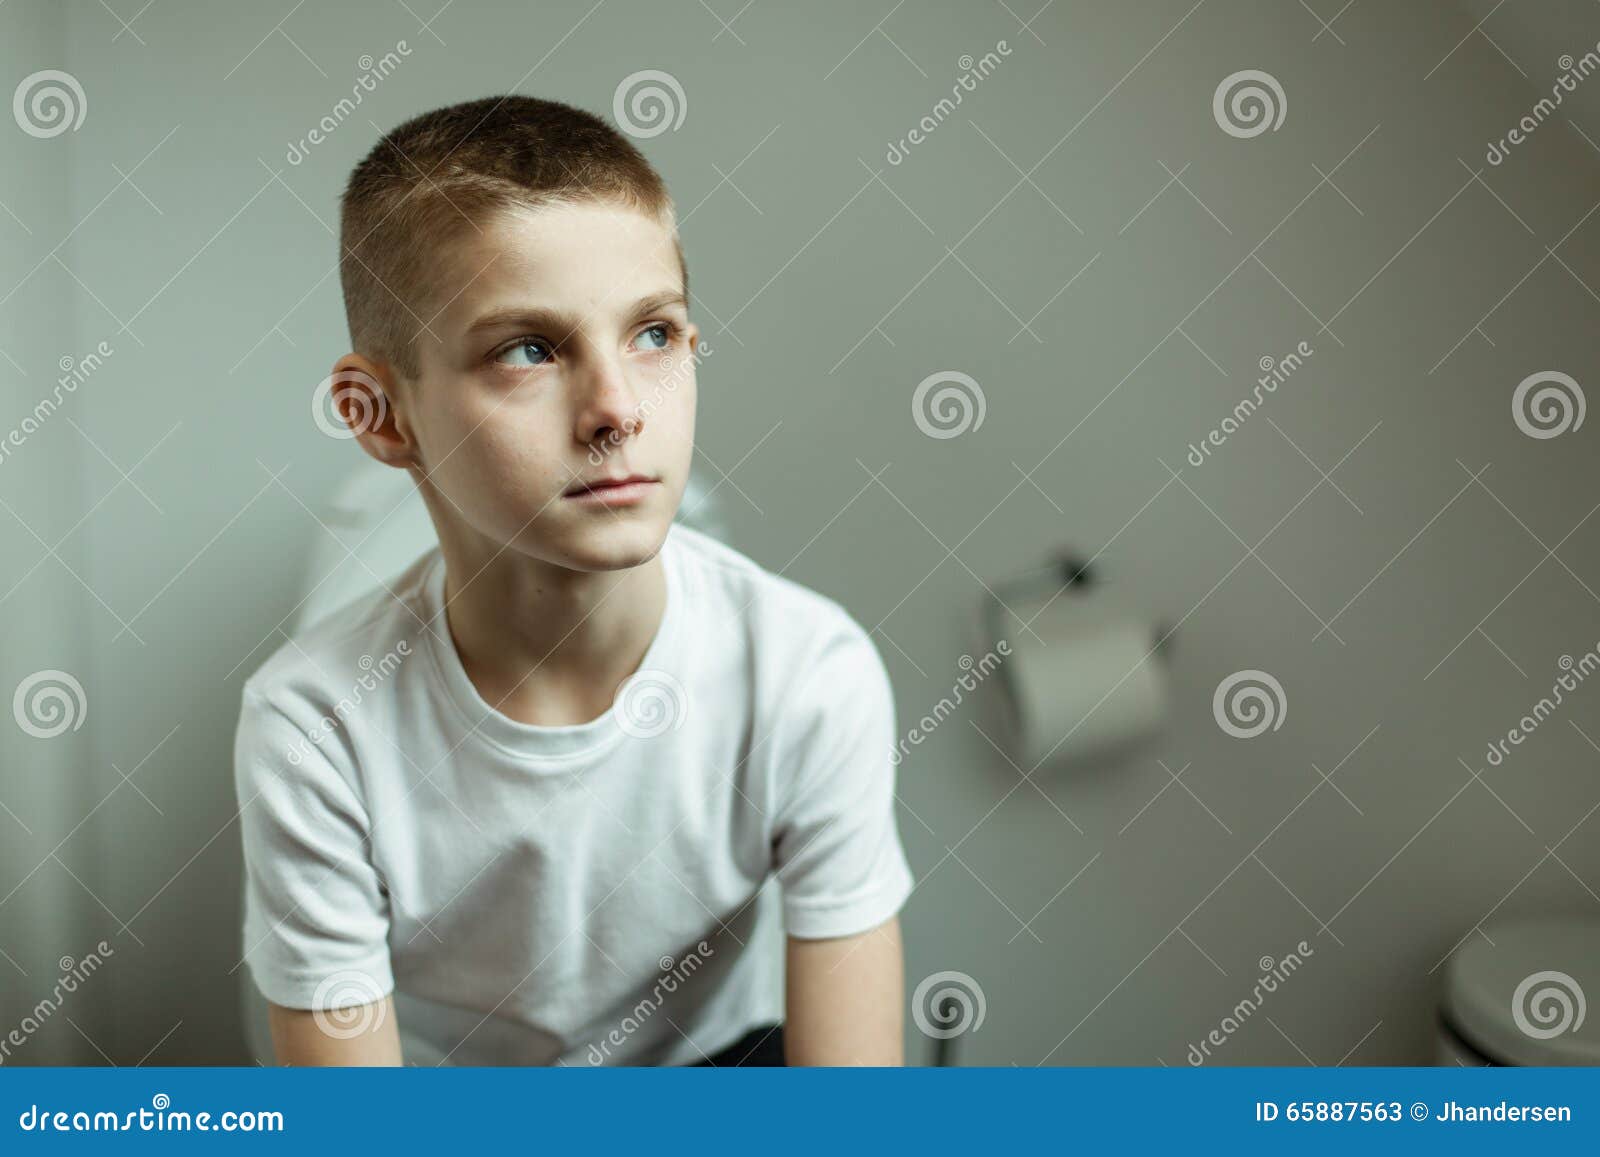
{"x": 1408, "y": 604}
{"x": 44, "y": 785}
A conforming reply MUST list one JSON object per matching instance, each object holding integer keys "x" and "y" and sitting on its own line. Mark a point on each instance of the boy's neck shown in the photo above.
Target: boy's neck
{"x": 543, "y": 644}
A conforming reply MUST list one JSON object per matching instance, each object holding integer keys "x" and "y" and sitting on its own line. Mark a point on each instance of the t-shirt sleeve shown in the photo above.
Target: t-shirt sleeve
{"x": 316, "y": 916}
{"x": 837, "y": 852}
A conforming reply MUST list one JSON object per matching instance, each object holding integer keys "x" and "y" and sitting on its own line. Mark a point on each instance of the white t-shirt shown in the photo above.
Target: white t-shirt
{"x": 588, "y": 894}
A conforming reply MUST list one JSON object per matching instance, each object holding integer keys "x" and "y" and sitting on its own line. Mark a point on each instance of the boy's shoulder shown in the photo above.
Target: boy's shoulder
{"x": 369, "y": 635}
{"x": 773, "y": 611}
{"x": 373, "y": 634}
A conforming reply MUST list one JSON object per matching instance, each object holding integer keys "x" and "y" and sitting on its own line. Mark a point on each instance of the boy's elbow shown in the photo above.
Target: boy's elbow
{"x": 361, "y": 1035}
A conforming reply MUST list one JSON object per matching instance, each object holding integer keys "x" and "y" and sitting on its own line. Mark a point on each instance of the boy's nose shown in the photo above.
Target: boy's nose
{"x": 608, "y": 407}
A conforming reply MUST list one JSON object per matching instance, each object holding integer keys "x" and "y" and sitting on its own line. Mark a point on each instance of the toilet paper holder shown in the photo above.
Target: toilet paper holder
{"x": 1052, "y": 689}
{"x": 1068, "y": 571}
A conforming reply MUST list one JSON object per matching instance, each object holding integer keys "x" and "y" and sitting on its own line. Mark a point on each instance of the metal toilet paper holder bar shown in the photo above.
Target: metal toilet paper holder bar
{"x": 1068, "y": 571}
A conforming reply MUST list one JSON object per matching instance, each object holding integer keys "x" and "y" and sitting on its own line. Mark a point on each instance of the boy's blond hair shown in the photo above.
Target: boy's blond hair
{"x": 449, "y": 170}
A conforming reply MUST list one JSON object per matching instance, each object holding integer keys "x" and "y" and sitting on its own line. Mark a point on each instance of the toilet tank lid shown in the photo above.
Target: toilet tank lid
{"x": 1518, "y": 990}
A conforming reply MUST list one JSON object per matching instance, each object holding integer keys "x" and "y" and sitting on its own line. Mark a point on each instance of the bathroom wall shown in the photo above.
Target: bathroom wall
{"x": 1082, "y": 238}
{"x": 46, "y": 784}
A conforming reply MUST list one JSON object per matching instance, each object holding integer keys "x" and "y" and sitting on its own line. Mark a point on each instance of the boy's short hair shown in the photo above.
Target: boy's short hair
{"x": 448, "y": 170}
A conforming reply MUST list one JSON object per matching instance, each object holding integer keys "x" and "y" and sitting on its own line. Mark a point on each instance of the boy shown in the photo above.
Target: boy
{"x": 534, "y": 831}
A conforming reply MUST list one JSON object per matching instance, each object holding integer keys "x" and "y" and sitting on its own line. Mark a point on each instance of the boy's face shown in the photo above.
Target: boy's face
{"x": 564, "y": 357}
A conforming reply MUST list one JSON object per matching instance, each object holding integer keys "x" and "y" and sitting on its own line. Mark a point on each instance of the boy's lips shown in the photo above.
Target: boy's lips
{"x": 623, "y": 490}
{"x": 594, "y": 485}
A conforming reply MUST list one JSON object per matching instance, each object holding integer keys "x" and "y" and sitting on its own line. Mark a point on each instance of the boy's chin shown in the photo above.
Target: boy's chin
{"x": 606, "y": 544}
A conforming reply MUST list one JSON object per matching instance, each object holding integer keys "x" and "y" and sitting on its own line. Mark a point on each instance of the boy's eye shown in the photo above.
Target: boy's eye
{"x": 656, "y": 337}
{"x": 528, "y": 352}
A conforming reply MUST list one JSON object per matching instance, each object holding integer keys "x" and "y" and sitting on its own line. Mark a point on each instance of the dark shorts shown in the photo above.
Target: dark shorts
{"x": 761, "y": 1046}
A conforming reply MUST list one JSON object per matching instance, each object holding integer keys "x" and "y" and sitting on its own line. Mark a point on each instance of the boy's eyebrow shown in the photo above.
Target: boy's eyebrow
{"x": 560, "y": 320}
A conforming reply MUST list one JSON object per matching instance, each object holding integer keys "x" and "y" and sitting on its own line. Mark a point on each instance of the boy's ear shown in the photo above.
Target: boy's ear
{"x": 362, "y": 393}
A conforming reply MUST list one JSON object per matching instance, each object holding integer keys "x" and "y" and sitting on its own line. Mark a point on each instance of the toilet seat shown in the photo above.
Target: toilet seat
{"x": 1519, "y": 992}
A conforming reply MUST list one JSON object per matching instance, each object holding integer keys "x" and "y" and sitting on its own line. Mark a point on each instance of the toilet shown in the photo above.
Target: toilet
{"x": 1517, "y": 992}
{"x": 377, "y": 516}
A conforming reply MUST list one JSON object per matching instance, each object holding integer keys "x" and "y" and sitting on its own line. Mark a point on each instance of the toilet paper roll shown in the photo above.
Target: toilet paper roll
{"x": 1089, "y": 683}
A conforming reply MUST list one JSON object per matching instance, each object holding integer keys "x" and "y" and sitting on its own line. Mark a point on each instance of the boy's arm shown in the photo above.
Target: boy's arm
{"x": 838, "y": 859}
{"x": 362, "y": 1035}
{"x": 316, "y": 912}
{"x": 844, "y": 998}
